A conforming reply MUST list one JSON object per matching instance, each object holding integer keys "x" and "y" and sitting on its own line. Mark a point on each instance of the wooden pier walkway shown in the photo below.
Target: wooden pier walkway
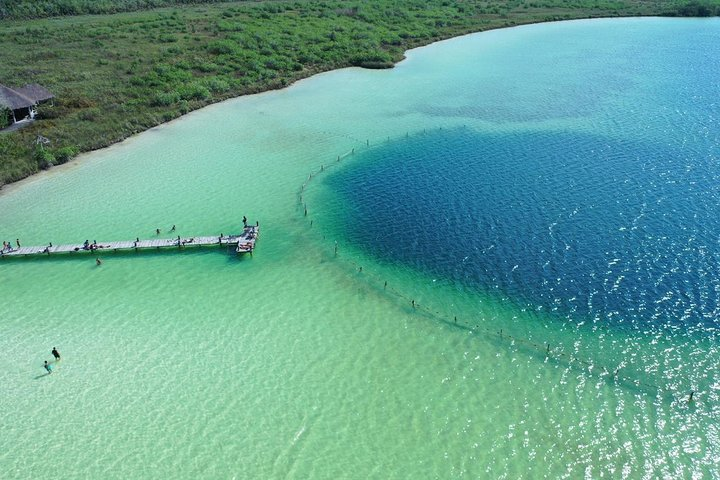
{"x": 243, "y": 243}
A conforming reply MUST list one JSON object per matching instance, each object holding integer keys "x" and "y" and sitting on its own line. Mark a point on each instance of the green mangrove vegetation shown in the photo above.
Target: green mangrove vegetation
{"x": 118, "y": 67}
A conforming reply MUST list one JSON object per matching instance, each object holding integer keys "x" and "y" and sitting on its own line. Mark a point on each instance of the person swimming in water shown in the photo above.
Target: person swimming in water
{"x": 55, "y": 353}
{"x": 48, "y": 367}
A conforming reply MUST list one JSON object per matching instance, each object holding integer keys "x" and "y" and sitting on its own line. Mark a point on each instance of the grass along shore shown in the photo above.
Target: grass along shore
{"x": 115, "y": 75}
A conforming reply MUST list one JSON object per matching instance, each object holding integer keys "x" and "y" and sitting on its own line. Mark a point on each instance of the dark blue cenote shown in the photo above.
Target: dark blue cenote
{"x": 620, "y": 232}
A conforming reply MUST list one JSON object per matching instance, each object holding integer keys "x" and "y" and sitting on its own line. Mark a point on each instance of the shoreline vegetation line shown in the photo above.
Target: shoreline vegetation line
{"x": 120, "y": 67}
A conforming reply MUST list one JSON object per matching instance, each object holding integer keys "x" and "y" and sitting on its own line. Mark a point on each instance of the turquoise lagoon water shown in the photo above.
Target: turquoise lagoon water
{"x": 555, "y": 182}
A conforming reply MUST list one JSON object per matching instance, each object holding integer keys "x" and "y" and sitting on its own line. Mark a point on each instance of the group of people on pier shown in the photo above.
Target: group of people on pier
{"x": 246, "y": 243}
{"x": 7, "y": 246}
{"x": 91, "y": 246}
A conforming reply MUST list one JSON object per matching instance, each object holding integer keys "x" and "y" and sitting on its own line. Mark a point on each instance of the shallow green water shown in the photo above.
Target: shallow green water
{"x": 296, "y": 364}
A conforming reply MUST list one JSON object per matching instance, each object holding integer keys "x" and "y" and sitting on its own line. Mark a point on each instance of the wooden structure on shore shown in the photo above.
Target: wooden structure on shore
{"x": 242, "y": 243}
{"x": 22, "y": 102}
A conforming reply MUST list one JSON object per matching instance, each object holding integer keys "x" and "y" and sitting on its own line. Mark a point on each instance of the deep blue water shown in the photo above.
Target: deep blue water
{"x": 621, "y": 232}
{"x": 586, "y": 182}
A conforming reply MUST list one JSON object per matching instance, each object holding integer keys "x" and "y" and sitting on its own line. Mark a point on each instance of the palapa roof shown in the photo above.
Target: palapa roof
{"x": 13, "y": 100}
{"x": 33, "y": 91}
{"x": 23, "y": 97}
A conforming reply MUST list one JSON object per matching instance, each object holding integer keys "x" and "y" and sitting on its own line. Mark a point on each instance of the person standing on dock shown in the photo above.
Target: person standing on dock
{"x": 56, "y": 354}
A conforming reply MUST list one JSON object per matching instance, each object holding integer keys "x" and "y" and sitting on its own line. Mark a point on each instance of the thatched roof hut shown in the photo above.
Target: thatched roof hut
{"x": 20, "y": 101}
{"x": 35, "y": 92}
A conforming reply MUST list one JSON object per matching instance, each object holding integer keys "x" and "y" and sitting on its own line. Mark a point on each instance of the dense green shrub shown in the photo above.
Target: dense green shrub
{"x": 163, "y": 99}
{"x": 5, "y": 117}
{"x": 223, "y": 26}
{"x": 52, "y": 8}
{"x": 216, "y": 85}
{"x": 184, "y": 107}
{"x": 167, "y": 38}
{"x": 65, "y": 154}
{"x": 222, "y": 47}
{"x": 206, "y": 67}
{"x": 698, "y": 9}
{"x": 44, "y": 158}
{"x": 194, "y": 91}
{"x": 376, "y": 59}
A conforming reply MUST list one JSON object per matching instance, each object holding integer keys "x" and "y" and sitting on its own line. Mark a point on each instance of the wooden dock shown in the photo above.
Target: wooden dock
{"x": 243, "y": 243}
